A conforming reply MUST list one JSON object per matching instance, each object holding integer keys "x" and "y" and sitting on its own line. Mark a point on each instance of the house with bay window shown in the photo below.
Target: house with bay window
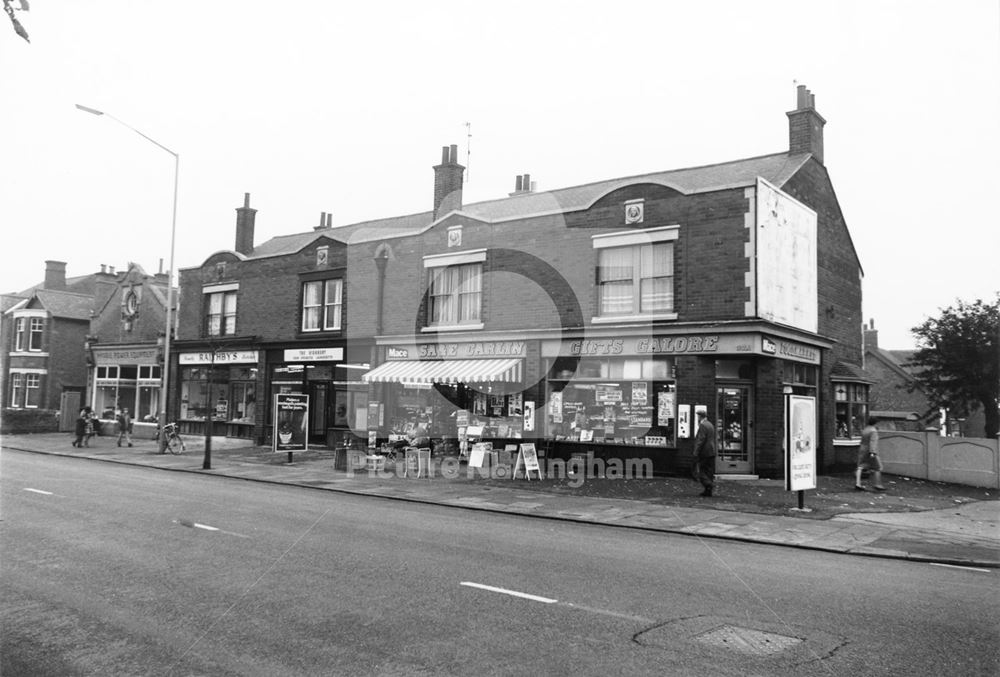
{"x": 43, "y": 332}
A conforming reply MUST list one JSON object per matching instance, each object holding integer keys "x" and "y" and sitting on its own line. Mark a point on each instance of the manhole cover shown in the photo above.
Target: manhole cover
{"x": 747, "y": 640}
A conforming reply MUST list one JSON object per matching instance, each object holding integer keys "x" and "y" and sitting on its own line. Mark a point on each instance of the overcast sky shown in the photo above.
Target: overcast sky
{"x": 344, "y": 107}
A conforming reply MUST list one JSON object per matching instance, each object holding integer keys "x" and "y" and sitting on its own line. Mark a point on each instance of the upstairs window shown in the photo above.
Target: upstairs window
{"x": 20, "y": 337}
{"x": 636, "y": 280}
{"x": 455, "y": 290}
{"x": 635, "y": 274}
{"x": 322, "y": 305}
{"x": 456, "y": 295}
{"x": 220, "y": 313}
{"x": 35, "y": 338}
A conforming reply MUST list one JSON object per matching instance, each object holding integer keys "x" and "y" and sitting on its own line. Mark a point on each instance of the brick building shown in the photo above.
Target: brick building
{"x": 255, "y": 322}
{"x": 43, "y": 331}
{"x": 599, "y": 318}
{"x": 590, "y": 319}
{"x": 124, "y": 346}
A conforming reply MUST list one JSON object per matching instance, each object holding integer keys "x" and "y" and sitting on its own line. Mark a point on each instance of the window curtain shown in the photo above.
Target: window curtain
{"x": 616, "y": 281}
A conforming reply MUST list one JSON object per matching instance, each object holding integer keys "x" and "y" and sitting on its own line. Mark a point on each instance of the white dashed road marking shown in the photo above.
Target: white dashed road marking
{"x": 38, "y": 491}
{"x": 512, "y": 593}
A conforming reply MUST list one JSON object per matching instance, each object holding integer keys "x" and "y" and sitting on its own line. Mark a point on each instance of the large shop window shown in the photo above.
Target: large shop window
{"x": 128, "y": 385}
{"x": 615, "y": 401}
{"x": 635, "y": 274}
{"x": 228, "y": 392}
{"x": 322, "y": 305}
{"x": 220, "y": 310}
{"x": 851, "y": 408}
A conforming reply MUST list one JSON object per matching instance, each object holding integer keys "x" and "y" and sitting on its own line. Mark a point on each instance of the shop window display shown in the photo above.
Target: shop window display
{"x": 614, "y": 401}
{"x": 851, "y": 409}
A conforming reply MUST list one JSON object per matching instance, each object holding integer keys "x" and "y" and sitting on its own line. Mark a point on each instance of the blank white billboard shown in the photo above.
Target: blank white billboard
{"x": 786, "y": 264}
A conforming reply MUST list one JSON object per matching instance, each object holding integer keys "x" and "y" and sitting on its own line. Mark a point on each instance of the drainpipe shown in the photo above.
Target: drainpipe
{"x": 381, "y": 259}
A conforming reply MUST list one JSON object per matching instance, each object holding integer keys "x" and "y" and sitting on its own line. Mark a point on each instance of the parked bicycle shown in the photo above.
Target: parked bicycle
{"x": 174, "y": 443}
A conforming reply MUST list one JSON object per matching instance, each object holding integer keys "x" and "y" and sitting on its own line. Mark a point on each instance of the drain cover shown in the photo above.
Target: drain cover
{"x": 747, "y": 640}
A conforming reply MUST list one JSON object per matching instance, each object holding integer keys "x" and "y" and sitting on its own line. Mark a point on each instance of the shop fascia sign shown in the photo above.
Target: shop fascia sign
{"x": 314, "y": 355}
{"x": 692, "y": 344}
{"x": 125, "y": 356}
{"x": 219, "y": 357}
{"x": 456, "y": 351}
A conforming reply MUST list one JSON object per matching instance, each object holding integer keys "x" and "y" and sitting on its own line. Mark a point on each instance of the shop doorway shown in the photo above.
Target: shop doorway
{"x": 734, "y": 429}
{"x": 319, "y": 393}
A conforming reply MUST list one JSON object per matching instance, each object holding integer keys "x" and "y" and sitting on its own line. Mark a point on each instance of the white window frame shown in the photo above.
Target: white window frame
{"x": 635, "y": 239}
{"x": 436, "y": 265}
{"x": 36, "y": 334}
{"x": 329, "y": 313}
{"x": 226, "y": 317}
{"x": 32, "y": 381}
{"x": 16, "y": 387}
{"x": 19, "y": 334}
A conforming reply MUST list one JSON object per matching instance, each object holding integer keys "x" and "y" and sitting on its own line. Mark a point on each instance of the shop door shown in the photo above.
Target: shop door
{"x": 734, "y": 430}
{"x": 318, "y": 398}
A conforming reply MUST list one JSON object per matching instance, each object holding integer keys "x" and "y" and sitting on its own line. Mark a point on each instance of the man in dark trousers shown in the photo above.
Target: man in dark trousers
{"x": 704, "y": 452}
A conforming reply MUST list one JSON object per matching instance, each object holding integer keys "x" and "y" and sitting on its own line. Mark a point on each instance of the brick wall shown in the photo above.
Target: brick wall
{"x": 709, "y": 263}
{"x": 269, "y": 299}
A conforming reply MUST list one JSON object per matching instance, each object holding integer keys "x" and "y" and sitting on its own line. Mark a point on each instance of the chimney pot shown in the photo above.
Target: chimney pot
{"x": 453, "y": 158}
{"x": 444, "y": 155}
{"x": 526, "y": 184}
{"x": 517, "y": 184}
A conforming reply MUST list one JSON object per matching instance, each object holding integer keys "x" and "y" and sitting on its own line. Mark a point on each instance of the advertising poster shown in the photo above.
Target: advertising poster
{"x": 800, "y": 443}
{"x": 665, "y": 408}
{"x": 291, "y": 416}
{"x": 639, "y": 392}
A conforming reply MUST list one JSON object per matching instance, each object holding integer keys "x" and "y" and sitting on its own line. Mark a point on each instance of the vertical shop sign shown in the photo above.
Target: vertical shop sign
{"x": 291, "y": 416}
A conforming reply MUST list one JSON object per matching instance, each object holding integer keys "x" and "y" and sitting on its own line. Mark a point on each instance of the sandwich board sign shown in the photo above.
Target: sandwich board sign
{"x": 527, "y": 457}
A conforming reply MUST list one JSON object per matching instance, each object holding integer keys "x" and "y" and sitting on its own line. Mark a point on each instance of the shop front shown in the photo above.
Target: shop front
{"x": 338, "y": 398}
{"x": 635, "y": 397}
{"x": 126, "y": 377}
{"x": 457, "y": 391}
{"x": 218, "y": 388}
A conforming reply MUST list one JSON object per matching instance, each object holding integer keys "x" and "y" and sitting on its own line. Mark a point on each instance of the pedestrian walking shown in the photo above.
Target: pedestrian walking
{"x": 80, "y": 428}
{"x": 90, "y": 423}
{"x": 704, "y": 452}
{"x": 124, "y": 427}
{"x": 868, "y": 458}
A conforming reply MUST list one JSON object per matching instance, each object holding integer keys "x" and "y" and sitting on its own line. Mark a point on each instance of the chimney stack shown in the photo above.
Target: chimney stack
{"x": 55, "y": 275}
{"x": 325, "y": 221}
{"x": 448, "y": 178}
{"x": 522, "y": 184}
{"x": 871, "y": 335}
{"x": 245, "y": 221}
{"x": 805, "y": 126}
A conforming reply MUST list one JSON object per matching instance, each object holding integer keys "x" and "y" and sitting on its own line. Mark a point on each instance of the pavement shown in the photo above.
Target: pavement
{"x": 913, "y": 519}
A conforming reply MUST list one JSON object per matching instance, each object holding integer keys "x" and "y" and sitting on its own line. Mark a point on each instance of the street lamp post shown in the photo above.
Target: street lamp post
{"x": 165, "y": 377}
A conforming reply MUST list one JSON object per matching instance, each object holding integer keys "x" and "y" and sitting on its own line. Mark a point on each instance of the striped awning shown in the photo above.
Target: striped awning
{"x": 447, "y": 371}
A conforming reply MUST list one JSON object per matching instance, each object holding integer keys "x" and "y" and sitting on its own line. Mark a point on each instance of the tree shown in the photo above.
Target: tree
{"x": 9, "y": 9}
{"x": 958, "y": 357}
